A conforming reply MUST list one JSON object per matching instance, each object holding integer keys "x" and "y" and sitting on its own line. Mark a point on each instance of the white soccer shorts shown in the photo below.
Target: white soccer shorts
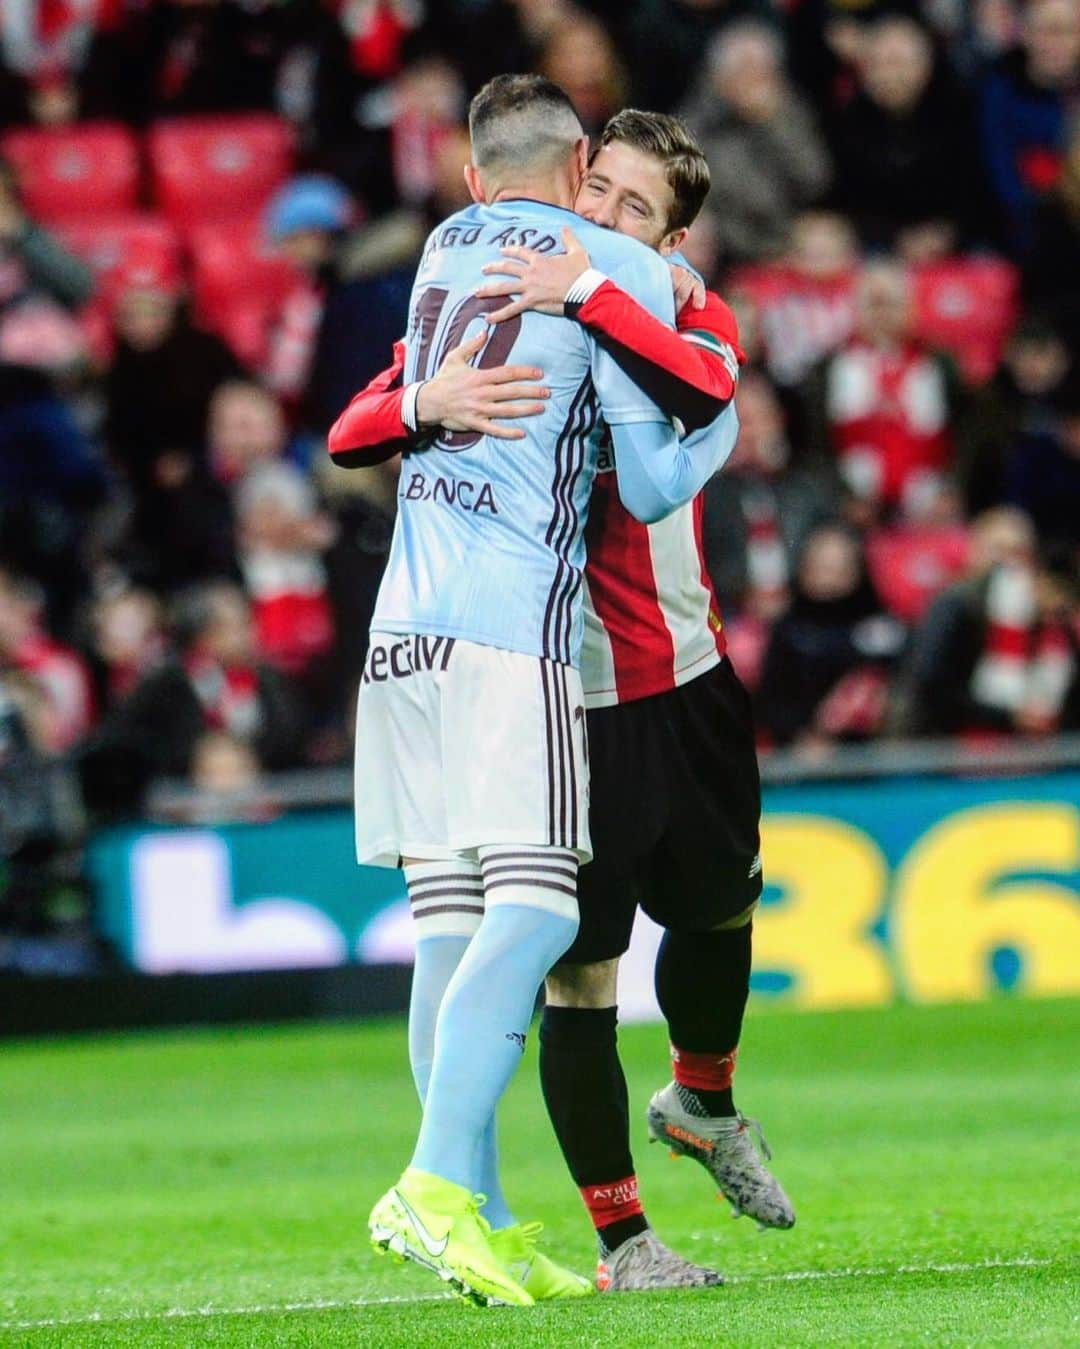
{"x": 459, "y": 746}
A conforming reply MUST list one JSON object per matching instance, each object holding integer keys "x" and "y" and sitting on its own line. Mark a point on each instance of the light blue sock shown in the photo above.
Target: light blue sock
{"x": 441, "y": 941}
{"x": 436, "y": 960}
{"x": 480, "y": 1036}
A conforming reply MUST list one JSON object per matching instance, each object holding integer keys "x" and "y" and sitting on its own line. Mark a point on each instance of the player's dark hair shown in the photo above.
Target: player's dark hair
{"x": 520, "y": 120}
{"x": 670, "y": 140}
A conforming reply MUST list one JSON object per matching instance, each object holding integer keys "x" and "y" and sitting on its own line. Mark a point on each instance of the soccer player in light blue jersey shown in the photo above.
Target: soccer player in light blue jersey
{"x": 470, "y": 724}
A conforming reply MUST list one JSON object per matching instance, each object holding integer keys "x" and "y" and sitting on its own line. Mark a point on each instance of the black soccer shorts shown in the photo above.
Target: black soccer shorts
{"x": 675, "y": 809}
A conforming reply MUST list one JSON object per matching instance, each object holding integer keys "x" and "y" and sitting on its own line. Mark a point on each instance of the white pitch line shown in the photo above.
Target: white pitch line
{"x": 350, "y": 1304}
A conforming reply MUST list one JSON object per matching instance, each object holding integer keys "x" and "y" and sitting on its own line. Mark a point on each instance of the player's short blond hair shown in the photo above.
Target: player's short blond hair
{"x": 671, "y": 141}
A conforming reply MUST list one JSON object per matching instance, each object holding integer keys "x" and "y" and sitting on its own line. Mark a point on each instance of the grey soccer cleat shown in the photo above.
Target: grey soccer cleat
{"x": 644, "y": 1262}
{"x": 726, "y": 1150}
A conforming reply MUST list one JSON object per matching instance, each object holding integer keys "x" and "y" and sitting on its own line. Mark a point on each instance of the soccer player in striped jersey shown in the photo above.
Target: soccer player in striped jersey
{"x": 665, "y": 711}
{"x": 472, "y": 771}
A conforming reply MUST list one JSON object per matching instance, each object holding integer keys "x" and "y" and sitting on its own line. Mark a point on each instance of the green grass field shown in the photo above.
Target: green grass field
{"x": 213, "y": 1188}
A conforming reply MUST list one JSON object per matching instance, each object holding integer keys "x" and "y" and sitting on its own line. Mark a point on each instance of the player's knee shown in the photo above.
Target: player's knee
{"x": 591, "y": 985}
{"x": 738, "y": 920}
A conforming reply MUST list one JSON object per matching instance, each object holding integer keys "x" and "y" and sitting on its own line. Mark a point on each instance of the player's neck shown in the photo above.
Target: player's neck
{"x": 553, "y": 190}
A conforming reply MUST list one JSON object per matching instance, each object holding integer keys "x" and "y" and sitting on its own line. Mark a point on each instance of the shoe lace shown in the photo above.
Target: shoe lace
{"x": 473, "y": 1207}
{"x": 754, "y": 1126}
{"x": 530, "y": 1232}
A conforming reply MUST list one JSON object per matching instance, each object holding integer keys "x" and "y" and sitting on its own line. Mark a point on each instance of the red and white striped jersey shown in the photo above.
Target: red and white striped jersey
{"x": 652, "y": 621}
{"x": 651, "y": 617}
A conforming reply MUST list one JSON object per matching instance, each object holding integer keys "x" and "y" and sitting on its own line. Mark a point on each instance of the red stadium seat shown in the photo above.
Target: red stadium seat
{"x": 113, "y": 245}
{"x": 209, "y": 169}
{"x": 802, "y": 317}
{"x": 910, "y": 566}
{"x": 967, "y": 306}
{"x": 74, "y": 172}
{"x": 239, "y": 283}
{"x": 133, "y": 249}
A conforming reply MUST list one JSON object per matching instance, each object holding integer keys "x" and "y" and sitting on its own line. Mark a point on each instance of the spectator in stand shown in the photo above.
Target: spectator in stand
{"x": 998, "y": 651}
{"x": 247, "y": 427}
{"x": 157, "y": 394}
{"x": 1018, "y": 401}
{"x": 216, "y": 681}
{"x": 580, "y": 57}
{"x": 666, "y": 42}
{"x": 336, "y": 331}
{"x": 31, "y": 259}
{"x": 227, "y": 778}
{"x": 766, "y": 155}
{"x": 186, "y": 57}
{"x": 906, "y": 149}
{"x": 282, "y": 537}
{"x": 807, "y": 301}
{"x": 50, "y": 485}
{"x": 761, "y": 508}
{"x": 885, "y": 405}
{"x": 60, "y": 59}
{"x": 825, "y": 677}
{"x": 41, "y": 285}
{"x": 127, "y": 642}
{"x": 756, "y": 515}
{"x": 486, "y": 37}
{"x": 364, "y": 506}
{"x": 307, "y": 220}
{"x": 427, "y": 108}
{"x": 1052, "y": 271}
{"x": 34, "y": 826}
{"x": 827, "y": 39}
{"x": 58, "y": 671}
{"x": 1025, "y": 109}
{"x": 1042, "y": 473}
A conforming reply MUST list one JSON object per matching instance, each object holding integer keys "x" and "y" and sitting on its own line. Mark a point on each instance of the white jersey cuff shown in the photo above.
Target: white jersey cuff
{"x": 587, "y": 284}
{"x": 408, "y": 407}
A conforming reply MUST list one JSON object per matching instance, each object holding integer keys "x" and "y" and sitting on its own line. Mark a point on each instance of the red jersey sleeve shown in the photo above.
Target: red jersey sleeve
{"x": 371, "y": 429}
{"x": 690, "y": 374}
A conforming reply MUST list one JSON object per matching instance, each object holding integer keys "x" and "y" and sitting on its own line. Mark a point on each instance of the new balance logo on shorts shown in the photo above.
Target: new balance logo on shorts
{"x": 401, "y": 660}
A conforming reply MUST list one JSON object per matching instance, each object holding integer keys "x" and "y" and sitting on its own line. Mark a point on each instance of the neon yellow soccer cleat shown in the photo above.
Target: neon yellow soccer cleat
{"x": 515, "y": 1248}
{"x": 436, "y": 1224}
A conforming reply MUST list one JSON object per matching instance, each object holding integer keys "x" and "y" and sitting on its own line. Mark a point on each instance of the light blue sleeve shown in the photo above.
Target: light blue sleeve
{"x": 622, "y": 403}
{"x": 657, "y": 473}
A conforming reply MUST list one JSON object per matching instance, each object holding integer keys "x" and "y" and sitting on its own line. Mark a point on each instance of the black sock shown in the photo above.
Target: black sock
{"x": 702, "y": 984}
{"x": 585, "y": 1093}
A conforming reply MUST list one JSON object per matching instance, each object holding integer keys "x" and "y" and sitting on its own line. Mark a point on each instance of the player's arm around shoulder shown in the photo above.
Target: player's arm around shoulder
{"x": 692, "y": 381}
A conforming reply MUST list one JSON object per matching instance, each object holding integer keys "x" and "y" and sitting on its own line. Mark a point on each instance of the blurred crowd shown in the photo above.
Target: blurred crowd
{"x": 210, "y": 215}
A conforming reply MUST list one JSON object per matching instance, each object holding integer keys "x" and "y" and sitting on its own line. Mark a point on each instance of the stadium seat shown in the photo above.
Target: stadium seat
{"x": 967, "y": 306}
{"x": 115, "y": 248}
{"x": 802, "y": 317}
{"x": 910, "y": 566}
{"x": 207, "y": 169}
{"x": 112, "y": 245}
{"x": 74, "y": 172}
{"x": 239, "y": 283}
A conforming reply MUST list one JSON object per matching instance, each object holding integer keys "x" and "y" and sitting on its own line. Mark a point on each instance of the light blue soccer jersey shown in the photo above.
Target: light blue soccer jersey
{"x": 489, "y": 540}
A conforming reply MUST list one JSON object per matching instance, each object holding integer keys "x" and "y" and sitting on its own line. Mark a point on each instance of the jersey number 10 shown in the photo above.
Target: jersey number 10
{"x": 425, "y": 325}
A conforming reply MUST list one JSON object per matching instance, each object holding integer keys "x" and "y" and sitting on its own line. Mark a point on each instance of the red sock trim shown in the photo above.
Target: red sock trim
{"x": 612, "y": 1202}
{"x": 703, "y": 1072}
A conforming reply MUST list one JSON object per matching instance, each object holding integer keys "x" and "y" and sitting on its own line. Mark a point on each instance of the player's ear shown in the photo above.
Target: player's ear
{"x": 671, "y": 243}
{"x": 474, "y": 184}
{"x": 582, "y": 151}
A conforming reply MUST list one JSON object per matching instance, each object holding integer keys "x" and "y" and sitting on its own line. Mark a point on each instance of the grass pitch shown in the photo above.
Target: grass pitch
{"x": 212, "y": 1189}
